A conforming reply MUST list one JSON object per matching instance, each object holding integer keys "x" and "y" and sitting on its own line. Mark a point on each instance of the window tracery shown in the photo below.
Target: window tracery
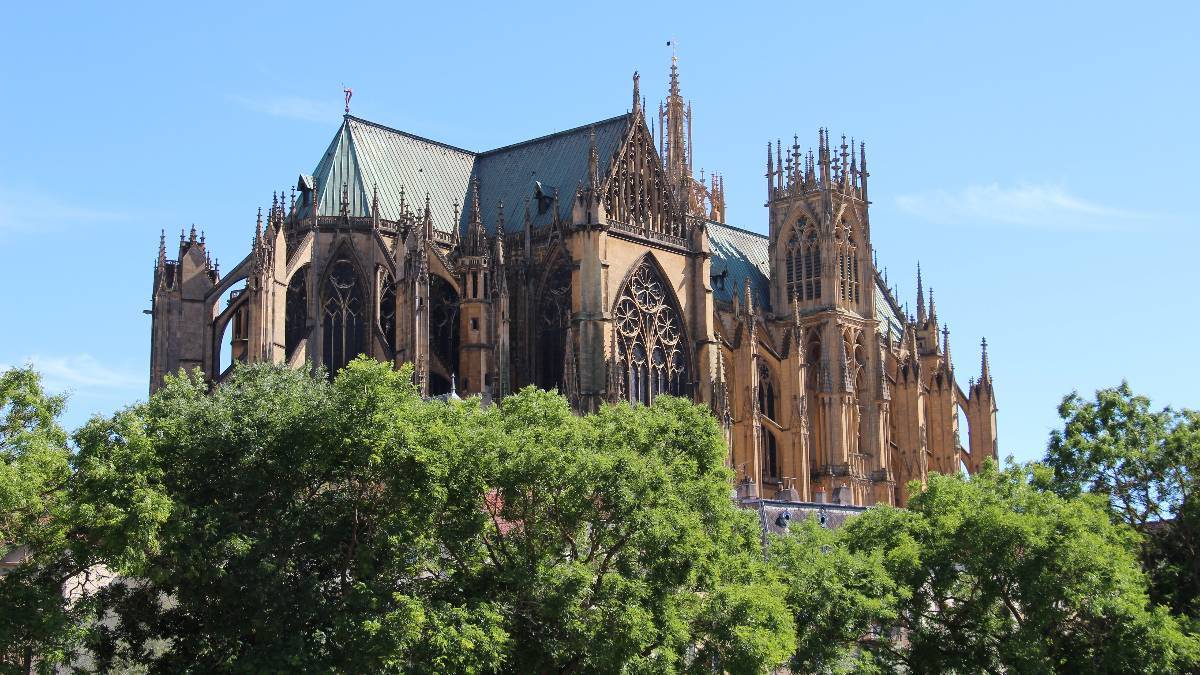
{"x": 766, "y": 392}
{"x": 554, "y": 316}
{"x": 295, "y": 322}
{"x": 804, "y": 263}
{"x": 343, "y": 316}
{"x": 387, "y": 310}
{"x": 443, "y": 323}
{"x": 651, "y": 353}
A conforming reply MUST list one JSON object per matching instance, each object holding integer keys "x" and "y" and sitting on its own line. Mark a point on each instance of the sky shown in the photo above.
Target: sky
{"x": 1037, "y": 159}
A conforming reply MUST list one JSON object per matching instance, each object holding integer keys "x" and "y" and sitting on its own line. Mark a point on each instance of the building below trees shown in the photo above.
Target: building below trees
{"x": 594, "y": 261}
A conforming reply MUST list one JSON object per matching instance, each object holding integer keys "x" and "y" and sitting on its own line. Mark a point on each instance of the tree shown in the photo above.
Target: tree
{"x": 999, "y": 575}
{"x": 352, "y": 526}
{"x": 69, "y": 534}
{"x": 1146, "y": 465}
{"x": 614, "y": 543}
{"x": 838, "y": 598}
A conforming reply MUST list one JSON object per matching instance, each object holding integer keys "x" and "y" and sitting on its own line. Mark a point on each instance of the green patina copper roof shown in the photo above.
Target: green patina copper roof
{"x": 365, "y": 156}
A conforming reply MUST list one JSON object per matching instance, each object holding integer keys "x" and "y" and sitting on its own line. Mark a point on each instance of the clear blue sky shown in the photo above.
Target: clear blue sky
{"x": 1039, "y": 159}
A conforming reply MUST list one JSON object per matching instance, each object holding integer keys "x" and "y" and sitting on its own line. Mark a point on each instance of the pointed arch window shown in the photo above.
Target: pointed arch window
{"x": 553, "y": 318}
{"x": 443, "y": 328}
{"x": 804, "y": 262}
{"x": 848, "y": 286}
{"x": 342, "y": 310}
{"x": 770, "y": 455}
{"x": 387, "y": 309}
{"x": 295, "y": 322}
{"x": 766, "y": 392}
{"x": 651, "y": 356}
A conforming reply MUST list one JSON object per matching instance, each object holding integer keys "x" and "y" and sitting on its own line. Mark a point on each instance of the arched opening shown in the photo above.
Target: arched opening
{"x": 766, "y": 392}
{"x": 342, "y": 310}
{"x": 804, "y": 262}
{"x": 233, "y": 340}
{"x": 387, "y": 310}
{"x": 443, "y": 334}
{"x": 770, "y": 456}
{"x": 553, "y": 319}
{"x": 961, "y": 436}
{"x": 651, "y": 351}
{"x": 862, "y": 394}
{"x": 815, "y": 376}
{"x": 295, "y": 322}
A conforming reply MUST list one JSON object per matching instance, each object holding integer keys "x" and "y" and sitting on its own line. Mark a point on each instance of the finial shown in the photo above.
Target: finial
{"x": 375, "y": 200}
{"x": 920, "y": 295}
{"x": 162, "y": 244}
{"x": 345, "y": 200}
{"x": 932, "y": 309}
{"x": 500, "y": 219}
{"x": 258, "y": 227}
{"x": 637, "y": 96}
{"x": 349, "y": 93}
{"x": 946, "y": 344}
{"x": 192, "y": 234}
{"x": 749, "y": 298}
{"x": 985, "y": 371}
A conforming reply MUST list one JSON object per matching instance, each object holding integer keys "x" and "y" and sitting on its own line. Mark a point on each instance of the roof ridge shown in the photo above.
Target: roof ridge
{"x": 413, "y": 136}
{"x": 539, "y": 139}
{"x": 739, "y": 229}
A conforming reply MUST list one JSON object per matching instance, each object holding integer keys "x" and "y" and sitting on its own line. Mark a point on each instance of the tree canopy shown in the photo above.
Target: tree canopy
{"x": 286, "y": 521}
{"x": 352, "y": 526}
{"x": 1145, "y": 464}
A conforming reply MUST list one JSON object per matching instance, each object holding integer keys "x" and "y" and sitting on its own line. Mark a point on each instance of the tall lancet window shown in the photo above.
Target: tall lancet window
{"x": 553, "y": 319}
{"x": 387, "y": 309}
{"x": 848, "y": 267}
{"x": 342, "y": 321}
{"x": 651, "y": 352}
{"x": 295, "y": 322}
{"x": 804, "y": 263}
{"x": 766, "y": 392}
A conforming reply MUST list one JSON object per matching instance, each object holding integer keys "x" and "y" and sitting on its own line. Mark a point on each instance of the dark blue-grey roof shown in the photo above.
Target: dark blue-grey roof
{"x": 739, "y": 255}
{"x": 558, "y": 161}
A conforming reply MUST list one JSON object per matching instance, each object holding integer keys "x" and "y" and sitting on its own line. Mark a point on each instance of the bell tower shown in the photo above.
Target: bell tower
{"x": 820, "y": 247}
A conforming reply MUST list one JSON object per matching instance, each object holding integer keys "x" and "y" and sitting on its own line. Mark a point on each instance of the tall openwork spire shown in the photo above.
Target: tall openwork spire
{"x": 920, "y": 296}
{"x": 678, "y": 123}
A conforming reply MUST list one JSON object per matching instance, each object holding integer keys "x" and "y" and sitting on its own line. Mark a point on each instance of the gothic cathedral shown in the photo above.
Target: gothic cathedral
{"x": 595, "y": 262}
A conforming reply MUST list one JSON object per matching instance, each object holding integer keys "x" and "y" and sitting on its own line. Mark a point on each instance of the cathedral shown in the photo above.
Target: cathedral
{"x": 595, "y": 262}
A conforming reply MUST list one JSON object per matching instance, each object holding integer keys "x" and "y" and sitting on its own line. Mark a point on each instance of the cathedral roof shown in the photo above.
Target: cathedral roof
{"x": 739, "y": 255}
{"x": 556, "y": 162}
{"x": 365, "y": 156}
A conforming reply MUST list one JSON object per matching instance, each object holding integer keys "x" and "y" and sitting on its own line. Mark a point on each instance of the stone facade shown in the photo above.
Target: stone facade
{"x": 593, "y": 261}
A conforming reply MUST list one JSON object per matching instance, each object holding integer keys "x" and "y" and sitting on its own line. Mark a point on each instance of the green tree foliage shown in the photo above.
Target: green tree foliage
{"x": 838, "y": 597}
{"x": 1146, "y": 464}
{"x": 998, "y": 575}
{"x": 69, "y": 533}
{"x": 353, "y": 527}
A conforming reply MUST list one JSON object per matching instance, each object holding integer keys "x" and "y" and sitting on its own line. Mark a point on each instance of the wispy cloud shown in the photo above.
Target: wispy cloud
{"x": 291, "y": 107}
{"x": 33, "y": 210}
{"x": 1041, "y": 206}
{"x": 81, "y": 374}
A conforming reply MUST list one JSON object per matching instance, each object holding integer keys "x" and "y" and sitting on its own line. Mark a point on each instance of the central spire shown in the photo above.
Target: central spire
{"x": 678, "y": 129}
